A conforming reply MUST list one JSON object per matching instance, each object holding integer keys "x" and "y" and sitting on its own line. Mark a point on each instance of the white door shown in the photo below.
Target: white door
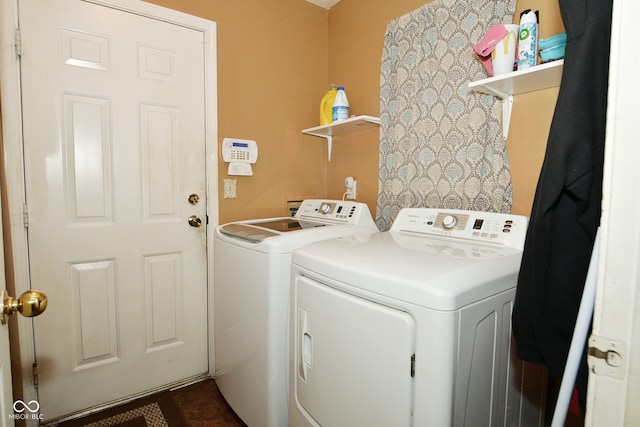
{"x": 29, "y": 304}
{"x": 6, "y": 399}
{"x": 6, "y": 395}
{"x": 345, "y": 375}
{"x": 614, "y": 381}
{"x": 114, "y": 143}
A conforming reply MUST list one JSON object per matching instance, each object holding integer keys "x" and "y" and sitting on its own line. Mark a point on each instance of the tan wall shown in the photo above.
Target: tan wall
{"x": 272, "y": 72}
{"x": 276, "y": 59}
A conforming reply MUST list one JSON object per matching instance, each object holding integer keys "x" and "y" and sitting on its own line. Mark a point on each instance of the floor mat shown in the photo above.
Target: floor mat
{"x": 157, "y": 410}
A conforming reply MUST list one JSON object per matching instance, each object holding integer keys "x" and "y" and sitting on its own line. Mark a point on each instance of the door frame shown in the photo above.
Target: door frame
{"x": 613, "y": 391}
{"x": 10, "y": 100}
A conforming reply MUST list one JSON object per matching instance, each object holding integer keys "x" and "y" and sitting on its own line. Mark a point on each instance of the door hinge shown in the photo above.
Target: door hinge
{"x": 18, "y": 40}
{"x": 35, "y": 374}
{"x": 25, "y": 215}
{"x": 413, "y": 365}
{"x": 606, "y": 357}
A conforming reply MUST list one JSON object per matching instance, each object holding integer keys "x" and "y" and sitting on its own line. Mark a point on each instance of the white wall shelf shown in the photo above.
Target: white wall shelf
{"x": 540, "y": 77}
{"x": 342, "y": 127}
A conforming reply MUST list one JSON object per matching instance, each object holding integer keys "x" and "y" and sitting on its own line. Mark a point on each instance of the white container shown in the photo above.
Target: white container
{"x": 503, "y": 57}
{"x": 528, "y": 40}
{"x": 340, "y": 105}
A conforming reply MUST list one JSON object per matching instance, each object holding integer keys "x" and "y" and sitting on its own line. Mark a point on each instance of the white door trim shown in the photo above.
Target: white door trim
{"x": 14, "y": 163}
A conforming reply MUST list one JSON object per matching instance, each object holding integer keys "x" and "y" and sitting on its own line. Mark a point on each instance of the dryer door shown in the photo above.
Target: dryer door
{"x": 353, "y": 363}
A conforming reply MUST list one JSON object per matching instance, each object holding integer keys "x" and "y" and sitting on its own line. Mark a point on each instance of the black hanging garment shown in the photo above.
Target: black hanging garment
{"x": 567, "y": 203}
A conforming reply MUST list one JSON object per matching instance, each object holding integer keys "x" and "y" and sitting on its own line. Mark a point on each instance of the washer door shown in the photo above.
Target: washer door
{"x": 353, "y": 363}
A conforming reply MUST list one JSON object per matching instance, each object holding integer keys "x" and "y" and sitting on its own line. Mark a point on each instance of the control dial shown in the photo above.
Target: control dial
{"x": 449, "y": 222}
{"x": 325, "y": 208}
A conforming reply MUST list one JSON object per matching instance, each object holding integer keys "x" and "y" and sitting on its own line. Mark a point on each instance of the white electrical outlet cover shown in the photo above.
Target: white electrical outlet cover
{"x": 348, "y": 182}
{"x": 230, "y": 189}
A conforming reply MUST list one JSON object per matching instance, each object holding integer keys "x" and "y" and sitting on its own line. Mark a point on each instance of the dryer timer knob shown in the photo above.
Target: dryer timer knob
{"x": 449, "y": 222}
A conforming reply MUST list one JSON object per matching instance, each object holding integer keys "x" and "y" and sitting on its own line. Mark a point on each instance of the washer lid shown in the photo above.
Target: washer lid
{"x": 259, "y": 230}
{"x": 437, "y": 273}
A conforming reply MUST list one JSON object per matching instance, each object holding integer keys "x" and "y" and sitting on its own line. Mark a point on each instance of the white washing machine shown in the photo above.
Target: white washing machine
{"x": 252, "y": 264}
{"x": 411, "y": 327}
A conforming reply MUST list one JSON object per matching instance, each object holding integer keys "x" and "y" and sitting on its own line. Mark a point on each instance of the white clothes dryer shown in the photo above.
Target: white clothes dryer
{"x": 252, "y": 264}
{"x": 411, "y": 327}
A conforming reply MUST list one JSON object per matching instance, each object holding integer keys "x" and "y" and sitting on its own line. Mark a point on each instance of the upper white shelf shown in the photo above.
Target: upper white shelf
{"x": 352, "y": 124}
{"x": 341, "y": 127}
{"x": 540, "y": 77}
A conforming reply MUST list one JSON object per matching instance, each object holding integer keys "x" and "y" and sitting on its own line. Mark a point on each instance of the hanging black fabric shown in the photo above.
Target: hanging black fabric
{"x": 567, "y": 204}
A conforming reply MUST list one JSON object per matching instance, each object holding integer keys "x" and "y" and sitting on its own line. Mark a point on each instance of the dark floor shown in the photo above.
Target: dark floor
{"x": 203, "y": 406}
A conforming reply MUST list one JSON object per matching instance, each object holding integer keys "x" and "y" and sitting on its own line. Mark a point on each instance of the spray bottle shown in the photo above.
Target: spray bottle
{"x": 528, "y": 40}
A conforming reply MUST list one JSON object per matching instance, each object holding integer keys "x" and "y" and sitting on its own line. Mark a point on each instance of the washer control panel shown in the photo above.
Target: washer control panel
{"x": 489, "y": 227}
{"x": 336, "y": 211}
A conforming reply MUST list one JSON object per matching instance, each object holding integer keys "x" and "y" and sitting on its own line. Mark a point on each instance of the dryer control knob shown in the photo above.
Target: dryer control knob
{"x": 325, "y": 208}
{"x": 449, "y": 221}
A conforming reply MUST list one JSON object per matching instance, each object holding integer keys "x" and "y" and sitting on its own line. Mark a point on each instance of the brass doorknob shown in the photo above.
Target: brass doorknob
{"x": 195, "y": 221}
{"x": 29, "y": 304}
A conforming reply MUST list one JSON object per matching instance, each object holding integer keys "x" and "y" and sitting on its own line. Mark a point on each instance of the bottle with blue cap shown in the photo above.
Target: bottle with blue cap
{"x": 340, "y": 105}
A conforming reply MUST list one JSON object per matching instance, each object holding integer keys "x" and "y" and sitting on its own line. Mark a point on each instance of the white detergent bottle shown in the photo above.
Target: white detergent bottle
{"x": 340, "y": 105}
